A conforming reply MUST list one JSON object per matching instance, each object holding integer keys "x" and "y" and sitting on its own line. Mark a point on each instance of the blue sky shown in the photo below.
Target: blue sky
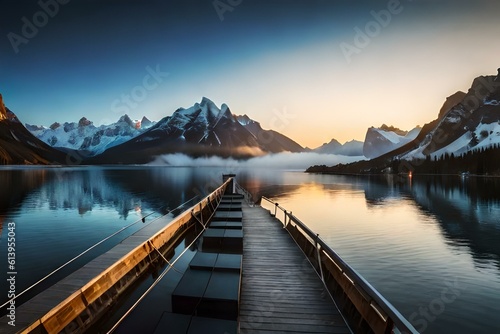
{"x": 284, "y": 63}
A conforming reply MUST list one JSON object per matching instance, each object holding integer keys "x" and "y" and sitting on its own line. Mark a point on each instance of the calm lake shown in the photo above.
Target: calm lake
{"x": 430, "y": 245}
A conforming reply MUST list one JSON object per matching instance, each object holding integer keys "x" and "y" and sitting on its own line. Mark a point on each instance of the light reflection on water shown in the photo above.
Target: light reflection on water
{"x": 410, "y": 240}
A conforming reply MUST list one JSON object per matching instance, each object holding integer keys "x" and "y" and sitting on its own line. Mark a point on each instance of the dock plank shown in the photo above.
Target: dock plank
{"x": 280, "y": 291}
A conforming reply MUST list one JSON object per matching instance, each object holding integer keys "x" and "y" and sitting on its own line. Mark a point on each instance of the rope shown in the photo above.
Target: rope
{"x": 164, "y": 258}
{"x": 89, "y": 249}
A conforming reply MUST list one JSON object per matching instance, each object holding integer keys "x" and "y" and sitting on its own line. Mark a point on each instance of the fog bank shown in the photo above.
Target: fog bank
{"x": 286, "y": 160}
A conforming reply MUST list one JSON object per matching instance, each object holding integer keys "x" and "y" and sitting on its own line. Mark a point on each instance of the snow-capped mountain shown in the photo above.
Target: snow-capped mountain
{"x": 470, "y": 125}
{"x": 379, "y": 141}
{"x": 350, "y": 148}
{"x": 85, "y": 136}
{"x": 200, "y": 130}
{"x": 19, "y": 146}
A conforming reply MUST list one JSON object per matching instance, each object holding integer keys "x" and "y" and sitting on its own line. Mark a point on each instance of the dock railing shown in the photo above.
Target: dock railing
{"x": 363, "y": 307}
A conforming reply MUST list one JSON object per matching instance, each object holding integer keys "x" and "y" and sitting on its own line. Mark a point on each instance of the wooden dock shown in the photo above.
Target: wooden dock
{"x": 280, "y": 290}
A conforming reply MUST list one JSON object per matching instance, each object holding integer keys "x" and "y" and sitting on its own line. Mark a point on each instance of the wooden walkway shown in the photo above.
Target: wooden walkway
{"x": 280, "y": 290}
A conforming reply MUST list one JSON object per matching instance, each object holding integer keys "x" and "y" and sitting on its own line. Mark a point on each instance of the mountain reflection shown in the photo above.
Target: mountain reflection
{"x": 467, "y": 209}
{"x": 86, "y": 189}
{"x": 82, "y": 191}
{"x": 16, "y": 184}
{"x": 468, "y": 212}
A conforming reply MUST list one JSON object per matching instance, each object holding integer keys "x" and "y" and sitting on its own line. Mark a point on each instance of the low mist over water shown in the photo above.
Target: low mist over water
{"x": 284, "y": 160}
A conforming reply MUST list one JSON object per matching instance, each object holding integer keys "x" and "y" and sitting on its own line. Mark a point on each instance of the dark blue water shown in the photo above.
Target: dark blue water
{"x": 431, "y": 246}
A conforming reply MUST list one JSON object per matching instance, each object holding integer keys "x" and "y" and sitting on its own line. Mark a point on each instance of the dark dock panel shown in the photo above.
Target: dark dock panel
{"x": 221, "y": 297}
{"x": 234, "y": 216}
{"x": 216, "y": 262}
{"x": 203, "y": 261}
{"x": 201, "y": 325}
{"x": 231, "y": 199}
{"x": 280, "y": 290}
{"x": 173, "y": 323}
{"x": 233, "y": 206}
{"x": 229, "y": 262}
{"x": 188, "y": 293}
{"x": 226, "y": 225}
{"x": 218, "y": 240}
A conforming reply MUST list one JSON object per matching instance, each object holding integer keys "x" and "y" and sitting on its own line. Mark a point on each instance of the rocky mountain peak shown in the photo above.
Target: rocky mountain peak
{"x": 243, "y": 119}
{"x": 146, "y": 122}
{"x": 125, "y": 118}
{"x": 450, "y": 102}
{"x": 390, "y": 128}
{"x": 55, "y": 125}
{"x": 84, "y": 122}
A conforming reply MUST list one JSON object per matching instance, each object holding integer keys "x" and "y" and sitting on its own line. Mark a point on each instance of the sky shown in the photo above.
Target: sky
{"x": 313, "y": 70}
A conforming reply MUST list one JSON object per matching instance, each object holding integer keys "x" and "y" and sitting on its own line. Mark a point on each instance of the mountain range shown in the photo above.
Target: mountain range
{"x": 203, "y": 129}
{"x": 467, "y": 123}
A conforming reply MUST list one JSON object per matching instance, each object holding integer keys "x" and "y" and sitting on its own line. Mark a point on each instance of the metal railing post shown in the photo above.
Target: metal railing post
{"x": 318, "y": 255}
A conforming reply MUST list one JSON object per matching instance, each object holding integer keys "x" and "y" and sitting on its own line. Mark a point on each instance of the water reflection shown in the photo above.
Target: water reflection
{"x": 16, "y": 185}
{"x": 406, "y": 238}
{"x": 468, "y": 213}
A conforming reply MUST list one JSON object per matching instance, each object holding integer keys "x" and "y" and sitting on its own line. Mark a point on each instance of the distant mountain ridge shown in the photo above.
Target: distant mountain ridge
{"x": 350, "y": 148}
